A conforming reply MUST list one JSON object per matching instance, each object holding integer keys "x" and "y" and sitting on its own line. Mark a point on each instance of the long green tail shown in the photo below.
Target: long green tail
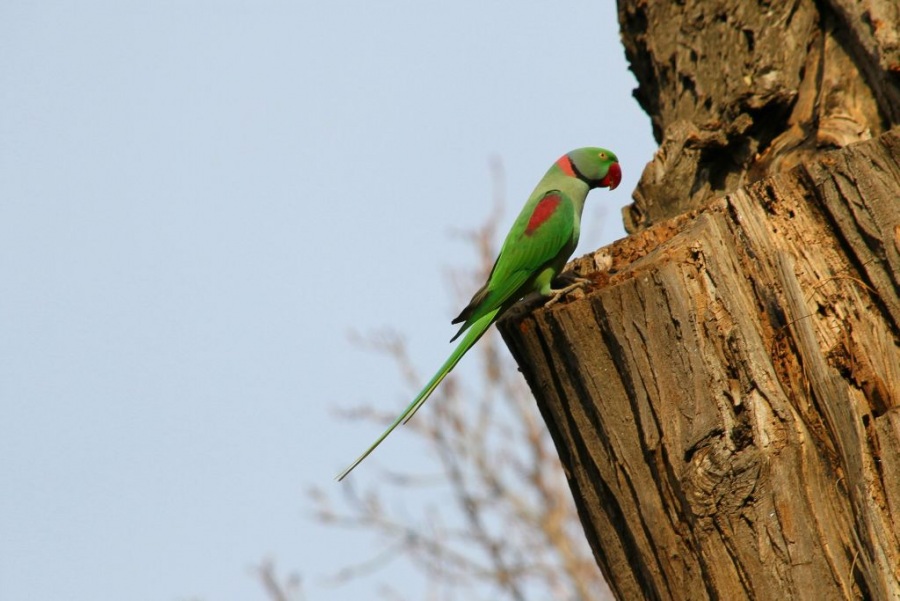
{"x": 472, "y": 335}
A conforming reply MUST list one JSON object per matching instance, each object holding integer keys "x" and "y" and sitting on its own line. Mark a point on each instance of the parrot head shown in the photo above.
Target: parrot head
{"x": 597, "y": 167}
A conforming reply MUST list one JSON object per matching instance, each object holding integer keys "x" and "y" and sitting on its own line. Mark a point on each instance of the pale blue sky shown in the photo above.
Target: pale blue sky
{"x": 198, "y": 200}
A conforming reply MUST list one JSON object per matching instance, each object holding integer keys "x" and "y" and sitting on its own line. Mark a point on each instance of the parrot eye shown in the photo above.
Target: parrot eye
{"x": 602, "y": 156}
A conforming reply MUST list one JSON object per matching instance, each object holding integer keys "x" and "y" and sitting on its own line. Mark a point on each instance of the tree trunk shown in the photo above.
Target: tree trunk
{"x": 725, "y": 399}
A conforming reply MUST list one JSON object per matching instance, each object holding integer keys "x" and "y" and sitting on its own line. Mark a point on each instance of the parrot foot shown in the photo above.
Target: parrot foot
{"x": 576, "y": 284}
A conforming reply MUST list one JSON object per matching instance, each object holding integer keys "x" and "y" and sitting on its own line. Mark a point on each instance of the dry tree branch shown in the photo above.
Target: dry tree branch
{"x": 290, "y": 589}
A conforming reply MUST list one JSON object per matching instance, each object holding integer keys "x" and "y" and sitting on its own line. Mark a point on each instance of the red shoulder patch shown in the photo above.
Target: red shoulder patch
{"x": 542, "y": 212}
{"x": 565, "y": 164}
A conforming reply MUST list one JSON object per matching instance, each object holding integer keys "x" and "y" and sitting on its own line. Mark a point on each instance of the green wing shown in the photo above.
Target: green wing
{"x": 544, "y": 230}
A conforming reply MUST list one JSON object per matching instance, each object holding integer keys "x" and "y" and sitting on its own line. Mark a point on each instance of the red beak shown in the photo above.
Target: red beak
{"x": 613, "y": 177}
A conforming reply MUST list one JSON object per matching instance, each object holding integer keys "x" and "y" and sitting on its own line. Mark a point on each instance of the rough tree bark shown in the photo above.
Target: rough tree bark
{"x": 726, "y": 399}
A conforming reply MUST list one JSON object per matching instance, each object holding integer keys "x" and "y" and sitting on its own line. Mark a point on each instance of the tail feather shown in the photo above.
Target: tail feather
{"x": 472, "y": 335}
{"x": 473, "y": 305}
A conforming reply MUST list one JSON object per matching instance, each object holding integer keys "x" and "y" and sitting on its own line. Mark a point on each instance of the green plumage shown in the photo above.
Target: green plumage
{"x": 535, "y": 251}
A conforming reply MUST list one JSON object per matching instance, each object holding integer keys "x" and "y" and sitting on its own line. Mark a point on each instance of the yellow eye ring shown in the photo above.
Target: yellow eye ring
{"x": 602, "y": 155}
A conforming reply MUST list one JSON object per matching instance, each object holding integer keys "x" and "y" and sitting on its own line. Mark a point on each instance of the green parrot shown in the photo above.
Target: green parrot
{"x": 535, "y": 251}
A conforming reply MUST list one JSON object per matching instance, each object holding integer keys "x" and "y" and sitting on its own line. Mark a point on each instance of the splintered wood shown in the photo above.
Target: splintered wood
{"x": 725, "y": 399}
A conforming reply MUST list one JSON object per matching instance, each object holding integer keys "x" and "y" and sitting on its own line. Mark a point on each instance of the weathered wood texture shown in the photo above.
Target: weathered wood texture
{"x": 726, "y": 399}
{"x": 739, "y": 90}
